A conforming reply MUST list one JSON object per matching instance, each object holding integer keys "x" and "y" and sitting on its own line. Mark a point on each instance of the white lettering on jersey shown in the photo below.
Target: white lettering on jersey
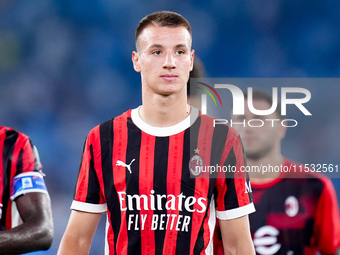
{"x": 248, "y": 187}
{"x": 265, "y": 240}
{"x": 139, "y": 202}
{"x": 159, "y": 222}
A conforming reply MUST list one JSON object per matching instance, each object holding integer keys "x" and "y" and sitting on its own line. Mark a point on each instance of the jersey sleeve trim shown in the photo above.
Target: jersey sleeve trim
{"x": 236, "y": 213}
{"x": 87, "y": 207}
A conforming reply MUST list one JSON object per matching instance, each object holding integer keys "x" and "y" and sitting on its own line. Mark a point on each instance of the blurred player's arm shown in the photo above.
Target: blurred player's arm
{"x": 236, "y": 236}
{"x": 36, "y": 232}
{"x": 79, "y": 233}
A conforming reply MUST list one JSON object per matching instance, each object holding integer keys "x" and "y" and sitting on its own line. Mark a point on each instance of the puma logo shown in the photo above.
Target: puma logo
{"x": 121, "y": 163}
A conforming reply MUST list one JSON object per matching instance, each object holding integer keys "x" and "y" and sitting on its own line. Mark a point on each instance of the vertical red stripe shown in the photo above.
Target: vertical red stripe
{"x": 28, "y": 159}
{"x": 146, "y": 173}
{"x": 119, "y": 153}
{"x": 98, "y": 161}
{"x": 220, "y": 181}
{"x": 22, "y": 145}
{"x": 83, "y": 178}
{"x": 240, "y": 177}
{"x": 204, "y": 144}
{"x": 174, "y": 175}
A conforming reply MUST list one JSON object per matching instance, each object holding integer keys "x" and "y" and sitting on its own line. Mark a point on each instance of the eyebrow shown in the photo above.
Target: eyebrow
{"x": 161, "y": 46}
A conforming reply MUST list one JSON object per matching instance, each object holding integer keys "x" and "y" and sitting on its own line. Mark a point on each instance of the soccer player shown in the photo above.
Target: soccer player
{"x": 293, "y": 215}
{"x": 25, "y": 210}
{"x": 144, "y": 167}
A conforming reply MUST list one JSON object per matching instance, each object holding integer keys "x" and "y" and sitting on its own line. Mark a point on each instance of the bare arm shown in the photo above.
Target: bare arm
{"x": 36, "y": 232}
{"x": 79, "y": 233}
{"x": 236, "y": 236}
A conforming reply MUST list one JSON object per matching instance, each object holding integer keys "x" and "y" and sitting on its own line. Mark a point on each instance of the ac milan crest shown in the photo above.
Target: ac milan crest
{"x": 196, "y": 165}
{"x": 291, "y": 206}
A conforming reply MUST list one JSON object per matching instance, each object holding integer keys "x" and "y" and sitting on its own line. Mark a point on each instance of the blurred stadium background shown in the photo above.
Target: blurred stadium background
{"x": 65, "y": 66}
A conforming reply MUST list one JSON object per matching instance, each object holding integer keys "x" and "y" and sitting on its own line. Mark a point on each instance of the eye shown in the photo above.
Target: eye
{"x": 180, "y": 52}
{"x": 156, "y": 52}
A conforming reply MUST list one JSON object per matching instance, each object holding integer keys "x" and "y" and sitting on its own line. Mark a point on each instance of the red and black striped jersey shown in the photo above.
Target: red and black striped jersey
{"x": 153, "y": 185}
{"x": 297, "y": 215}
{"x": 17, "y": 155}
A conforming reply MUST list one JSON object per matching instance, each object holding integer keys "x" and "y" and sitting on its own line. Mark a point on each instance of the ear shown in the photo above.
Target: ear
{"x": 135, "y": 61}
{"x": 192, "y": 56}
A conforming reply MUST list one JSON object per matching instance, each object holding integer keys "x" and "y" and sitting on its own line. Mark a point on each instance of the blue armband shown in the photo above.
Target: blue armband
{"x": 26, "y": 183}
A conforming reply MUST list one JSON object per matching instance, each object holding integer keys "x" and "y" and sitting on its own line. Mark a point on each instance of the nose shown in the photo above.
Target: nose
{"x": 169, "y": 61}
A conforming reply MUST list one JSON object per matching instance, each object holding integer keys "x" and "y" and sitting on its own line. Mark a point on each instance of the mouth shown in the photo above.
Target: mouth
{"x": 169, "y": 77}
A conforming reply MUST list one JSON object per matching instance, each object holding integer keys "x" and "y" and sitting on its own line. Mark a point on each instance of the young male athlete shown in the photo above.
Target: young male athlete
{"x": 296, "y": 215}
{"x": 25, "y": 210}
{"x": 144, "y": 167}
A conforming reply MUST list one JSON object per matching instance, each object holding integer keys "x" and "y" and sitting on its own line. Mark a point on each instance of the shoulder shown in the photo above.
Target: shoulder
{"x": 7, "y": 131}
{"x": 14, "y": 137}
{"x": 109, "y": 125}
{"x": 219, "y": 126}
{"x": 309, "y": 175}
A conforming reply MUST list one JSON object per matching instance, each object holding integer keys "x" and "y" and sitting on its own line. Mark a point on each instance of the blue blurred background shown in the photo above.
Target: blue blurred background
{"x": 65, "y": 66}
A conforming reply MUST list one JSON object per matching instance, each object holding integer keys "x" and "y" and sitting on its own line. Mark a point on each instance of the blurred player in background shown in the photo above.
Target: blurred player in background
{"x": 26, "y": 222}
{"x": 140, "y": 169}
{"x": 198, "y": 71}
{"x": 297, "y": 215}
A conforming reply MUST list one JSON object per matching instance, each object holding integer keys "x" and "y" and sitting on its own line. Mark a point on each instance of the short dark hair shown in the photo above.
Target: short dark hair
{"x": 162, "y": 19}
{"x": 259, "y": 94}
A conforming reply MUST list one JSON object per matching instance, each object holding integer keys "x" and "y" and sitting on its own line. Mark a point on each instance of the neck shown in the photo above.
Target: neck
{"x": 164, "y": 111}
{"x": 270, "y": 162}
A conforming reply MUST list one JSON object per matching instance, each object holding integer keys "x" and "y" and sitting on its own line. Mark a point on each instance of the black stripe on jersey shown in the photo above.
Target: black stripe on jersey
{"x": 106, "y": 144}
{"x": 160, "y": 187}
{"x": 9, "y": 144}
{"x": 218, "y": 143}
{"x": 19, "y": 163}
{"x": 231, "y": 194}
{"x": 183, "y": 239}
{"x": 250, "y": 194}
{"x": 92, "y": 190}
{"x": 217, "y": 147}
{"x": 134, "y": 137}
{"x": 200, "y": 238}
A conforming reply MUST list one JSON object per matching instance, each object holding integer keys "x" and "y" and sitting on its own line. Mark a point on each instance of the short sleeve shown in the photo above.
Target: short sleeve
{"x": 234, "y": 194}
{"x": 88, "y": 196}
{"x": 25, "y": 155}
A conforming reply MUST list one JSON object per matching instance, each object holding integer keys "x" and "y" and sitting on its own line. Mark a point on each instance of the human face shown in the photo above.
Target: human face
{"x": 259, "y": 141}
{"x": 164, "y": 58}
